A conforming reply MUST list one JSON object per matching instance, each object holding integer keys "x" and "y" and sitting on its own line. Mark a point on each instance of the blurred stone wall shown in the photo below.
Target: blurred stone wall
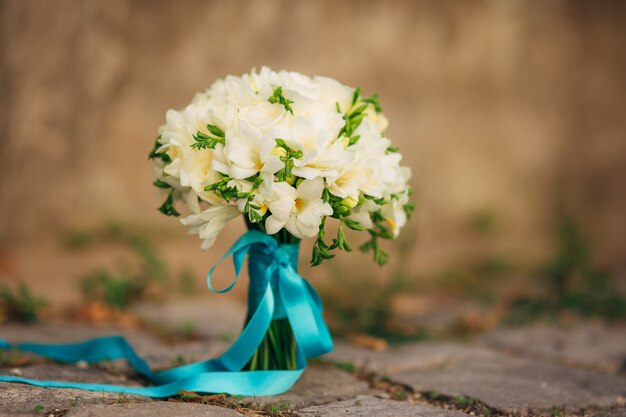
{"x": 510, "y": 108}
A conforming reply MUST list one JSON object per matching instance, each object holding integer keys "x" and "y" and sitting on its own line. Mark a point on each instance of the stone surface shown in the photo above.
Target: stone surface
{"x": 513, "y": 384}
{"x": 513, "y": 380}
{"x": 620, "y": 412}
{"x": 375, "y": 407}
{"x": 423, "y": 355}
{"x": 221, "y": 319}
{"x": 591, "y": 344}
{"x": 72, "y": 372}
{"x": 150, "y": 409}
{"x": 19, "y": 399}
{"x": 319, "y": 384}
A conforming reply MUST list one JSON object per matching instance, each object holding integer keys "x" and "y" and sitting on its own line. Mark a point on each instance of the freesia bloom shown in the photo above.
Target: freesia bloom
{"x": 209, "y": 223}
{"x": 299, "y": 210}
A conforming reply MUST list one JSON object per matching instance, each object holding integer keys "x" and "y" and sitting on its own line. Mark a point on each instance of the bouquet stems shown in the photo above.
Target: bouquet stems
{"x": 278, "y": 348}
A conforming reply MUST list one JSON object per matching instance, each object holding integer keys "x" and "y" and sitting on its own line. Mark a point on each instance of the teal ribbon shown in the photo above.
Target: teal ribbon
{"x": 276, "y": 290}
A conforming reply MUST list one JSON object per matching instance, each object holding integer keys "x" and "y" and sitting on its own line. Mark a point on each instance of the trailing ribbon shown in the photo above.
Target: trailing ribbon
{"x": 279, "y": 291}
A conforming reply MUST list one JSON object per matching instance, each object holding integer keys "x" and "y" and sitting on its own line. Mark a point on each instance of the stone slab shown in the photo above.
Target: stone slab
{"x": 210, "y": 318}
{"x": 21, "y": 399}
{"x": 592, "y": 344}
{"x": 618, "y": 412}
{"x": 150, "y": 409}
{"x": 422, "y": 355}
{"x": 71, "y": 372}
{"x": 319, "y": 384}
{"x": 515, "y": 384}
{"x": 375, "y": 407}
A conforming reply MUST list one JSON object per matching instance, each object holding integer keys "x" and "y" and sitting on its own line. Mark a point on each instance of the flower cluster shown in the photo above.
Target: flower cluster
{"x": 286, "y": 151}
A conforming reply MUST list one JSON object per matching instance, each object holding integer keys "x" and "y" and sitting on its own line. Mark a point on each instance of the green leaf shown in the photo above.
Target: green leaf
{"x": 353, "y": 140}
{"x": 285, "y": 173}
{"x": 216, "y": 131}
{"x": 359, "y": 110}
{"x": 356, "y": 95}
{"x": 281, "y": 143}
{"x": 325, "y": 195}
{"x": 408, "y": 209}
{"x": 167, "y": 207}
{"x": 374, "y": 100}
{"x": 353, "y": 224}
{"x": 224, "y": 190}
{"x": 161, "y": 184}
{"x": 340, "y": 242}
{"x": 204, "y": 141}
{"x": 320, "y": 248}
{"x": 278, "y": 98}
{"x": 155, "y": 154}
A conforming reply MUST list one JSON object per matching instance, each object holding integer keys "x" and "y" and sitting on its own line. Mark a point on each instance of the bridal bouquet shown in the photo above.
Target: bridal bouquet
{"x": 289, "y": 153}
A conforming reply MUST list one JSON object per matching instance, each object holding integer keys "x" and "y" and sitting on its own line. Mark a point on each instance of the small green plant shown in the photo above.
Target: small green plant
{"x": 122, "y": 399}
{"x": 571, "y": 282}
{"x": 39, "y": 408}
{"x": 462, "y": 401}
{"x": 400, "y": 395}
{"x": 192, "y": 397}
{"x": 129, "y": 284}
{"x": 433, "y": 395}
{"x": 556, "y": 412}
{"x": 118, "y": 291}
{"x": 179, "y": 360}
{"x": 13, "y": 357}
{"x": 186, "y": 282}
{"x": 482, "y": 222}
{"x": 345, "y": 366}
{"x": 20, "y": 304}
{"x": 278, "y": 409}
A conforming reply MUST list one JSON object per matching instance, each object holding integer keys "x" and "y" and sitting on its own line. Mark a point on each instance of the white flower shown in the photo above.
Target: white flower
{"x": 299, "y": 210}
{"x": 209, "y": 223}
{"x": 322, "y": 154}
{"x": 333, "y": 93}
{"x": 352, "y": 179}
{"x": 248, "y": 153}
{"x": 379, "y": 120}
{"x": 263, "y": 116}
{"x": 394, "y": 214}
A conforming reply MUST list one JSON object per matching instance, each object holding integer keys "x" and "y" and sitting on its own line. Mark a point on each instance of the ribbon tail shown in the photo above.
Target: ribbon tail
{"x": 93, "y": 350}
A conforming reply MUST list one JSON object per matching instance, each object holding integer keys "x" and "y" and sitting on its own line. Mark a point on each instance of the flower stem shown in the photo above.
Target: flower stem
{"x": 278, "y": 348}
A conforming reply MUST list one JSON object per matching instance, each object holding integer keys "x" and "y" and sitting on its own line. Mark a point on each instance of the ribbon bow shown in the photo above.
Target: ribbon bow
{"x": 273, "y": 274}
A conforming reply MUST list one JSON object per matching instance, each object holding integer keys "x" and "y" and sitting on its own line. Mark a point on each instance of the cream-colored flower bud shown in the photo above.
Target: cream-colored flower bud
{"x": 279, "y": 152}
{"x": 349, "y": 203}
{"x": 291, "y": 180}
{"x": 379, "y": 120}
